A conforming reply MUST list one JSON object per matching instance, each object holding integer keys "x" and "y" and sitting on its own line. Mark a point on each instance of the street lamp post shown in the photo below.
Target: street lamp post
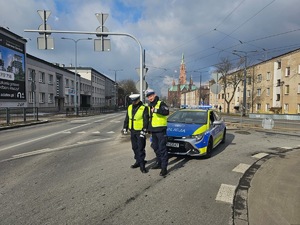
{"x": 245, "y": 76}
{"x": 116, "y": 88}
{"x": 75, "y": 85}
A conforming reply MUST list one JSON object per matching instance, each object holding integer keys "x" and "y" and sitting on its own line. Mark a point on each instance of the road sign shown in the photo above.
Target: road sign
{"x": 44, "y": 14}
{"x": 101, "y": 45}
{"x": 145, "y": 85}
{"x": 101, "y": 17}
{"x": 216, "y": 88}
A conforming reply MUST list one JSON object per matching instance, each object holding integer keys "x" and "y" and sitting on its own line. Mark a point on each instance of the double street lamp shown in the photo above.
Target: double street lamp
{"x": 75, "y": 85}
{"x": 245, "y": 76}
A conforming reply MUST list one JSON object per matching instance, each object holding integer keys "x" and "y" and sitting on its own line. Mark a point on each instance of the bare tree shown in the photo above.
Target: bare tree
{"x": 126, "y": 87}
{"x": 229, "y": 79}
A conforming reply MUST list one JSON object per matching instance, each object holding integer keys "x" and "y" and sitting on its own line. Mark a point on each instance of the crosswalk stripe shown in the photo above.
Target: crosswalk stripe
{"x": 260, "y": 155}
{"x": 226, "y": 193}
{"x": 241, "y": 168}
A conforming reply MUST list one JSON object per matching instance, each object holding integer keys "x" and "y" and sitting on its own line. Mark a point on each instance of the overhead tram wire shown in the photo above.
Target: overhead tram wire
{"x": 246, "y": 21}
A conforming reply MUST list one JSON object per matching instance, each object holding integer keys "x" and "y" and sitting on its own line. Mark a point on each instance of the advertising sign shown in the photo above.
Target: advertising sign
{"x": 12, "y": 69}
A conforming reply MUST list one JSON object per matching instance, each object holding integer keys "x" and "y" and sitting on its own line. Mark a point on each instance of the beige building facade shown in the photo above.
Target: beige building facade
{"x": 272, "y": 87}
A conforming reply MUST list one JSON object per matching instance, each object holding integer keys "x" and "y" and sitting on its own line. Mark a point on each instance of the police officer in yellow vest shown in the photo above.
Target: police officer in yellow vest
{"x": 136, "y": 121}
{"x": 158, "y": 126}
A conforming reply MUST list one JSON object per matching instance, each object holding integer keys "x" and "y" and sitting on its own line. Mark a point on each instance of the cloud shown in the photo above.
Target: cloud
{"x": 204, "y": 31}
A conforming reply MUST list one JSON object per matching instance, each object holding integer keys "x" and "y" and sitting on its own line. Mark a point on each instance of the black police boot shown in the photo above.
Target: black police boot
{"x": 143, "y": 168}
{"x": 156, "y": 166}
{"x": 135, "y": 165}
{"x": 163, "y": 172}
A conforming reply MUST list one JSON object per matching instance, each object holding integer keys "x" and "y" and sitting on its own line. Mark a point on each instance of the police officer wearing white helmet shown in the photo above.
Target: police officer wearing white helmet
{"x": 136, "y": 121}
{"x": 158, "y": 126}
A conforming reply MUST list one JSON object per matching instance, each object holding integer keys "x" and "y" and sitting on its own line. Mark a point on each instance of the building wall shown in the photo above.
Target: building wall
{"x": 273, "y": 86}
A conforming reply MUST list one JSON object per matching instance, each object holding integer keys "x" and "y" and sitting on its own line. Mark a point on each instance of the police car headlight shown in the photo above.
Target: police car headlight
{"x": 198, "y": 137}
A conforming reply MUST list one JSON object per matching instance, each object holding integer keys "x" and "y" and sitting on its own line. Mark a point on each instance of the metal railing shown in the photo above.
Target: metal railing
{"x": 9, "y": 116}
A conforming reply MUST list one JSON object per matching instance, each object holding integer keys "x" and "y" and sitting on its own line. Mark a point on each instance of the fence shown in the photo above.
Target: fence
{"x": 29, "y": 114}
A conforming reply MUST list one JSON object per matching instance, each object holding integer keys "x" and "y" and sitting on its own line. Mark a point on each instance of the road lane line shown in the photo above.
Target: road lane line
{"x": 48, "y": 150}
{"x": 43, "y": 137}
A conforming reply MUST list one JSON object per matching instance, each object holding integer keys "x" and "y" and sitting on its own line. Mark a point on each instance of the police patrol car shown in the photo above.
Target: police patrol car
{"x": 195, "y": 132}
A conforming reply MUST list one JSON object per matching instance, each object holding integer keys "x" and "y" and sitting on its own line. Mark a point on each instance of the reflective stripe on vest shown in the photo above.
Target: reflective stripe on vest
{"x": 138, "y": 121}
{"x": 158, "y": 120}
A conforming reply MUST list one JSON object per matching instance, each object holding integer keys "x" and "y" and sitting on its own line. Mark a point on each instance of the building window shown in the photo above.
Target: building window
{"x": 258, "y": 106}
{"x": 258, "y": 92}
{"x": 286, "y": 108}
{"x": 42, "y": 97}
{"x": 278, "y": 65}
{"x": 298, "y": 110}
{"x": 259, "y": 78}
{"x": 50, "y": 81}
{"x": 248, "y": 93}
{"x": 67, "y": 99}
{"x": 278, "y": 97}
{"x": 30, "y": 97}
{"x": 267, "y": 107}
{"x": 31, "y": 73}
{"x": 67, "y": 82}
{"x": 298, "y": 69}
{"x": 287, "y": 71}
{"x": 298, "y": 88}
{"x": 287, "y": 89}
{"x": 72, "y": 84}
{"x": 268, "y": 76}
{"x": 238, "y": 89}
{"x": 248, "y": 80}
{"x": 50, "y": 98}
{"x": 41, "y": 77}
{"x": 268, "y": 92}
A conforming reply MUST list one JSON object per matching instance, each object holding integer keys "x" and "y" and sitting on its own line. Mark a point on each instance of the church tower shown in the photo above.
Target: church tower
{"x": 182, "y": 75}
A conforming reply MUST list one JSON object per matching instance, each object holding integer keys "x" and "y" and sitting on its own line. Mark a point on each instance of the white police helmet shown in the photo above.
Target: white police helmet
{"x": 134, "y": 97}
{"x": 149, "y": 92}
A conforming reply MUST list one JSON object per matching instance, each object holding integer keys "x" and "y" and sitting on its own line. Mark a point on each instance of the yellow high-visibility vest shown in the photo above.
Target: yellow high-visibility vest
{"x": 158, "y": 120}
{"x": 137, "y": 121}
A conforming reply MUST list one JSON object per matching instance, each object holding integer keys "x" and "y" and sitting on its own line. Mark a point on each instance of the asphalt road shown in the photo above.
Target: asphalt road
{"x": 78, "y": 171}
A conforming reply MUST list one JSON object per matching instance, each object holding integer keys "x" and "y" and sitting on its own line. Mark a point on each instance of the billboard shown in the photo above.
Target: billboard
{"x": 12, "y": 69}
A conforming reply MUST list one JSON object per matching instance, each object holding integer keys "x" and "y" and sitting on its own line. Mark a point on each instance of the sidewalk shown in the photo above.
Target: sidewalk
{"x": 269, "y": 192}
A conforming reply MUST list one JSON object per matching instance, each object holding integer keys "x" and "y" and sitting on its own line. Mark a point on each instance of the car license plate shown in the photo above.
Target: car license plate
{"x": 172, "y": 144}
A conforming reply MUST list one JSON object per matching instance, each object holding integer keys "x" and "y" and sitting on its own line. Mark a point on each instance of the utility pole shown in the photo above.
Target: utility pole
{"x": 116, "y": 87}
{"x": 75, "y": 85}
{"x": 244, "y": 78}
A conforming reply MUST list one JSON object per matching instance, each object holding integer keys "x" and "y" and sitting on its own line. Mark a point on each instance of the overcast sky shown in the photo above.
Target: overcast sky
{"x": 202, "y": 31}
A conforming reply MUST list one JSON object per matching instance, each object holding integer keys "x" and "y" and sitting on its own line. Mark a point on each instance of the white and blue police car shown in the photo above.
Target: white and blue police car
{"x": 195, "y": 132}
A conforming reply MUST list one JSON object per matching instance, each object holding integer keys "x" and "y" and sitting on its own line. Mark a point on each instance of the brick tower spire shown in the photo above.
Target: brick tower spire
{"x": 182, "y": 75}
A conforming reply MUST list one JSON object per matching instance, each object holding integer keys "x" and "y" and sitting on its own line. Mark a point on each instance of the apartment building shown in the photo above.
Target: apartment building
{"x": 272, "y": 86}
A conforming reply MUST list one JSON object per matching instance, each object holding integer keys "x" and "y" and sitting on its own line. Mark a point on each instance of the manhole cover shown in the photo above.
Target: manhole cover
{"x": 242, "y": 132}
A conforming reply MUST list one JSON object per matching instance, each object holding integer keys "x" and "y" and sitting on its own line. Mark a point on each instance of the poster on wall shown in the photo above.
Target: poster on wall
{"x": 12, "y": 69}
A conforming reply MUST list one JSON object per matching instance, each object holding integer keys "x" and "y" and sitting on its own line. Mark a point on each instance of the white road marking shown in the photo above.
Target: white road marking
{"x": 226, "y": 193}
{"x": 241, "y": 168}
{"x": 110, "y": 132}
{"x": 47, "y": 150}
{"x": 260, "y": 155}
{"x": 115, "y": 121}
{"x": 81, "y": 132}
{"x": 66, "y": 132}
{"x": 78, "y": 121}
{"x": 43, "y": 137}
{"x": 96, "y": 132}
{"x": 287, "y": 148}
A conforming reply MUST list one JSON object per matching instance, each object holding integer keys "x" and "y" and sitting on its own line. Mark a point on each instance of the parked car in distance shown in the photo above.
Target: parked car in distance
{"x": 195, "y": 132}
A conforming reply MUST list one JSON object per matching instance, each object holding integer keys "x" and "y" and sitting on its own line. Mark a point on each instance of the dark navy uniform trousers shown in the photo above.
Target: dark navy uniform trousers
{"x": 159, "y": 142}
{"x": 138, "y": 146}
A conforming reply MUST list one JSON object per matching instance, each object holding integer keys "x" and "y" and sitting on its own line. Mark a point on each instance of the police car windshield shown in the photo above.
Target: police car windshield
{"x": 197, "y": 117}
